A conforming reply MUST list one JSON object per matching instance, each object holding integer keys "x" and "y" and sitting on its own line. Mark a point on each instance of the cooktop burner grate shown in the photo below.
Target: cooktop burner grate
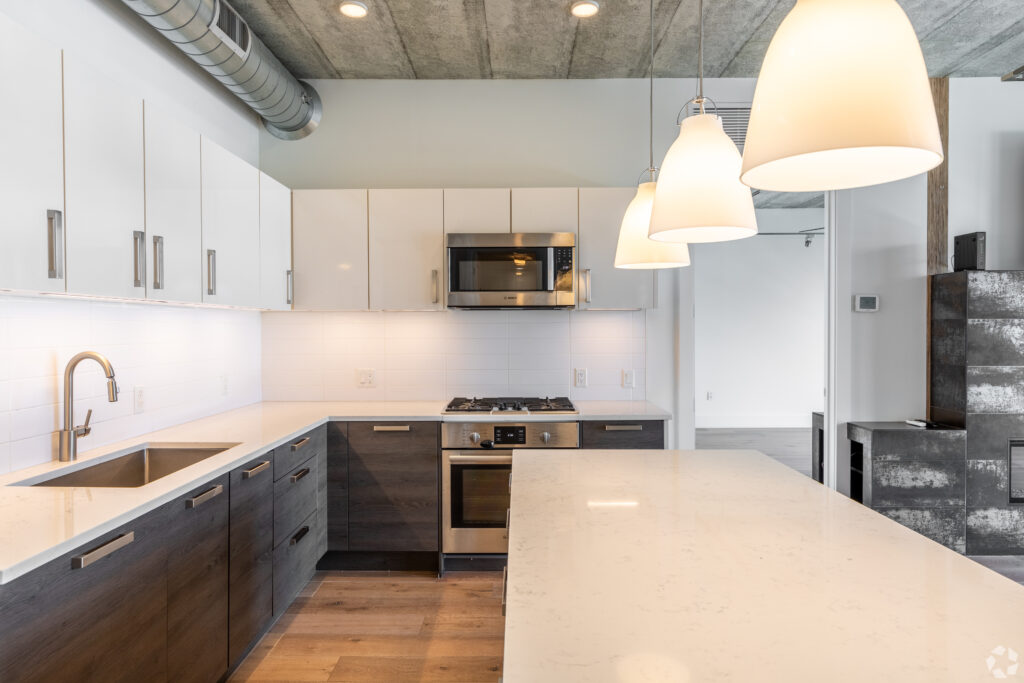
{"x": 510, "y": 404}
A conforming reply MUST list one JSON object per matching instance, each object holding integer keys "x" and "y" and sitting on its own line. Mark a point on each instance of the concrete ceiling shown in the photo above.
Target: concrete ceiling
{"x": 540, "y": 39}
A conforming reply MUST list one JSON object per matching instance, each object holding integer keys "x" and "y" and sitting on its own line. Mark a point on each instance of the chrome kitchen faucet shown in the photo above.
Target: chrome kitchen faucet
{"x": 68, "y": 446}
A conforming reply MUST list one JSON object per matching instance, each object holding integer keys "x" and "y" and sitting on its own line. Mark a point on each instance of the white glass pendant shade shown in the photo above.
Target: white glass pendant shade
{"x": 699, "y": 197}
{"x": 842, "y": 101}
{"x": 635, "y": 249}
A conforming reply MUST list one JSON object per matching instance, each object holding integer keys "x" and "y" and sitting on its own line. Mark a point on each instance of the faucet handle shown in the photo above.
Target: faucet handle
{"x": 85, "y": 430}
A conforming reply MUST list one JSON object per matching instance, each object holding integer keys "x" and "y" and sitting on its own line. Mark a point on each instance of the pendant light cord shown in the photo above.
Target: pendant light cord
{"x": 650, "y": 107}
{"x": 700, "y": 58}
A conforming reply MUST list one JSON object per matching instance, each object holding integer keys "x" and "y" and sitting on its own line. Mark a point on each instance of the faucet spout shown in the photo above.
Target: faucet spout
{"x": 68, "y": 442}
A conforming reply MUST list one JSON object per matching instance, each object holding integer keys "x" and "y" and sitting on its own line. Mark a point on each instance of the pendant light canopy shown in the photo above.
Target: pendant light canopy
{"x": 699, "y": 197}
{"x": 635, "y": 250}
{"x": 842, "y": 101}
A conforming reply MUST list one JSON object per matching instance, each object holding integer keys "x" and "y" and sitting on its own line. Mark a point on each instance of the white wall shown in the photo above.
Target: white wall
{"x": 760, "y": 325}
{"x": 113, "y": 38}
{"x": 986, "y": 166}
{"x": 180, "y": 356}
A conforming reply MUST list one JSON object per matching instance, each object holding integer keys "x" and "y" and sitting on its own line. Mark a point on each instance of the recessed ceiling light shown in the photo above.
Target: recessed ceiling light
{"x": 353, "y": 9}
{"x": 585, "y": 8}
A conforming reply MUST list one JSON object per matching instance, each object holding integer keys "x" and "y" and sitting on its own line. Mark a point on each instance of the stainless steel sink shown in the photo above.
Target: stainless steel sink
{"x": 138, "y": 468}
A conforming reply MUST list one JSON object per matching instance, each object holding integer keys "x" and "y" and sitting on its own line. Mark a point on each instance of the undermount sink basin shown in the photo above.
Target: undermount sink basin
{"x": 138, "y": 468}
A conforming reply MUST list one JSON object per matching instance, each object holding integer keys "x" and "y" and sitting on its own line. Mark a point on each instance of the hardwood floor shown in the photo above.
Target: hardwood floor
{"x": 380, "y": 626}
{"x": 791, "y": 447}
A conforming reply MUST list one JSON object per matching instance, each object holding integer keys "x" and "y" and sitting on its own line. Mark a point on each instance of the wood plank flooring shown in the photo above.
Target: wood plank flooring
{"x": 791, "y": 447}
{"x": 381, "y": 626}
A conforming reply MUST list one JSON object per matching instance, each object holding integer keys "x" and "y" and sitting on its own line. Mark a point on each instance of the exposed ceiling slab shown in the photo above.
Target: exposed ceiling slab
{"x": 442, "y": 39}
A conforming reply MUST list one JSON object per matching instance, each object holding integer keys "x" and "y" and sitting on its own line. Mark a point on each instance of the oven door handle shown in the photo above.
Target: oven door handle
{"x": 480, "y": 459}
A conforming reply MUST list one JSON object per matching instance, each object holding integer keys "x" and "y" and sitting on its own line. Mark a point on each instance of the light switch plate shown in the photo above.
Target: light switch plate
{"x": 580, "y": 380}
{"x": 366, "y": 378}
{"x": 138, "y": 400}
{"x": 629, "y": 379}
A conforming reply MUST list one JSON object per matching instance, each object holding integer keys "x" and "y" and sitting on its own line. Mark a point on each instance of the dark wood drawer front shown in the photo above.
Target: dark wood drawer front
{"x": 294, "y": 498}
{"x": 105, "y": 621}
{"x": 393, "y": 488}
{"x": 251, "y": 567}
{"x": 623, "y": 434}
{"x": 296, "y": 451}
{"x": 294, "y": 562}
{"x": 197, "y": 585}
{"x": 337, "y": 486}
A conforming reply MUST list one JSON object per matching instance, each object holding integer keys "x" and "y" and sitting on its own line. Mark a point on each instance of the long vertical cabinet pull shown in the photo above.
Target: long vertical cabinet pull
{"x": 158, "y": 262}
{"x": 55, "y": 244}
{"x": 211, "y": 271}
{"x": 139, "y": 247}
{"x": 587, "y": 271}
{"x": 289, "y": 287}
{"x": 435, "y": 281}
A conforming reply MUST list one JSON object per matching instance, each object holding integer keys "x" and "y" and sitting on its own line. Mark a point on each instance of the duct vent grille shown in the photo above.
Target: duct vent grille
{"x": 230, "y": 28}
{"x": 735, "y": 119}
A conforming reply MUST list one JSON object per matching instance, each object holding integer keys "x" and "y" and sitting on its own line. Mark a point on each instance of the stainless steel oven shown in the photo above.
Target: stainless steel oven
{"x": 476, "y": 466}
{"x": 511, "y": 270}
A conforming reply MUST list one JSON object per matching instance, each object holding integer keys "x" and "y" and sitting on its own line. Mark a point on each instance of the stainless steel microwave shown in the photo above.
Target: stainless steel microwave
{"x": 511, "y": 270}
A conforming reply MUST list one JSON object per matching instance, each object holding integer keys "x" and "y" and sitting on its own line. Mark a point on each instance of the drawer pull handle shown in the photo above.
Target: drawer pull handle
{"x": 209, "y": 494}
{"x": 253, "y": 471}
{"x": 299, "y": 535}
{"x": 301, "y": 443}
{"x": 300, "y": 474}
{"x": 80, "y": 561}
{"x": 390, "y": 428}
{"x": 504, "y": 589}
{"x": 508, "y": 518}
{"x": 623, "y": 428}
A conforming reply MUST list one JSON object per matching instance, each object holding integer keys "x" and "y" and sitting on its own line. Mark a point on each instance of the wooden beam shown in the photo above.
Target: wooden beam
{"x": 938, "y": 221}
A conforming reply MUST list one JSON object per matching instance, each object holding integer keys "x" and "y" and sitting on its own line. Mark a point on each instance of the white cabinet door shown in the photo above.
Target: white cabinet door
{"x": 32, "y": 174}
{"x": 477, "y": 210}
{"x": 174, "y": 224}
{"x": 231, "y": 228}
{"x": 105, "y": 220}
{"x": 331, "y": 250}
{"x": 545, "y": 209}
{"x": 406, "y": 252}
{"x": 602, "y": 285}
{"x": 275, "y": 244}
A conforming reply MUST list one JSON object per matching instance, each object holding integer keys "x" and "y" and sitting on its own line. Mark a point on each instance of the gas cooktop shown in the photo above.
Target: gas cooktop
{"x": 559, "y": 404}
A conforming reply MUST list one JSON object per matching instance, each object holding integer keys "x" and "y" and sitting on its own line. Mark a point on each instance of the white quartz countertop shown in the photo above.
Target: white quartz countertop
{"x": 39, "y": 524}
{"x": 728, "y": 566}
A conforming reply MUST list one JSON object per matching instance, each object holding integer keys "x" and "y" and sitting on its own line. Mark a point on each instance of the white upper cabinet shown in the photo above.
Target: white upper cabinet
{"x": 331, "y": 251}
{"x": 406, "y": 249}
{"x": 275, "y": 244}
{"x": 477, "y": 210}
{"x": 32, "y": 174}
{"x": 104, "y": 184}
{"x": 231, "y": 228}
{"x": 601, "y": 284}
{"x": 174, "y": 228}
{"x": 545, "y": 209}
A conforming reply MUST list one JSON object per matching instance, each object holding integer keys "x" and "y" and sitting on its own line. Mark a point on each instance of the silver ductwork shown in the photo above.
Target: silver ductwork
{"x": 216, "y": 38}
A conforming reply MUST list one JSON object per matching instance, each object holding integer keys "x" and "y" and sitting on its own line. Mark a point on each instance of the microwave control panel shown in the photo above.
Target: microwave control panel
{"x": 563, "y": 259}
{"x": 510, "y": 435}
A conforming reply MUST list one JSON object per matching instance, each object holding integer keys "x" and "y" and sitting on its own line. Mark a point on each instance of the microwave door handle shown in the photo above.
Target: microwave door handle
{"x": 551, "y": 269}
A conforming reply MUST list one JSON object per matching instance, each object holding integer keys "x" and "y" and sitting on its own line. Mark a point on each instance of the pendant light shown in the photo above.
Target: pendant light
{"x": 842, "y": 101}
{"x": 699, "y": 197}
{"x": 635, "y": 250}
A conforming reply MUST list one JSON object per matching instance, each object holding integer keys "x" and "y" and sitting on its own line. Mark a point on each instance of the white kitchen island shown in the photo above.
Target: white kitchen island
{"x": 728, "y": 566}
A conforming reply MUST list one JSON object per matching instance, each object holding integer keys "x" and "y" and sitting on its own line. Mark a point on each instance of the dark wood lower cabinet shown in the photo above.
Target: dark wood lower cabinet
{"x": 98, "y": 613}
{"x": 251, "y": 563}
{"x": 197, "y": 585}
{"x": 624, "y": 434}
{"x": 294, "y": 562}
{"x": 337, "y": 486}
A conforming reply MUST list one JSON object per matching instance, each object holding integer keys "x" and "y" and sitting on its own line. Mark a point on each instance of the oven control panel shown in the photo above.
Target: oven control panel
{"x": 514, "y": 435}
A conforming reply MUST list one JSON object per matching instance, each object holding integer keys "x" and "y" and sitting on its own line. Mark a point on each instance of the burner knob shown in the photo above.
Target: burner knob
{"x": 475, "y": 437}
{"x": 486, "y": 444}
{"x": 545, "y": 437}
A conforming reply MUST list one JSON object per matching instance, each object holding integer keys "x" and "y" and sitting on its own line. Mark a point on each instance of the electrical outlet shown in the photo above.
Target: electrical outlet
{"x": 139, "y": 400}
{"x": 629, "y": 379}
{"x": 709, "y": 396}
{"x": 580, "y": 380}
{"x": 223, "y": 385}
{"x": 366, "y": 378}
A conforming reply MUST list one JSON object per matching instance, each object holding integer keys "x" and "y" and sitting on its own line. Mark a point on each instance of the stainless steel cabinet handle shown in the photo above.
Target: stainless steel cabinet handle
{"x": 300, "y": 474}
{"x": 587, "y": 276}
{"x": 504, "y": 589}
{"x": 253, "y": 471}
{"x": 390, "y": 428}
{"x": 54, "y": 244}
{"x": 80, "y": 561}
{"x": 508, "y": 518}
{"x": 482, "y": 460}
{"x": 211, "y": 271}
{"x": 139, "y": 247}
{"x": 289, "y": 297}
{"x": 158, "y": 262}
{"x": 209, "y": 494}
{"x": 623, "y": 428}
{"x": 301, "y": 443}
{"x": 435, "y": 281}
{"x": 299, "y": 535}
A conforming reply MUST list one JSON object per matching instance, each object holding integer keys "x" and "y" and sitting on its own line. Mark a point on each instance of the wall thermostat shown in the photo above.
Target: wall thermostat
{"x": 865, "y": 303}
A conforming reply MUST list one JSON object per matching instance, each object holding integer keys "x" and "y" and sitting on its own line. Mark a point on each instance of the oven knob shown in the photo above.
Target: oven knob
{"x": 545, "y": 437}
{"x": 475, "y": 437}
{"x": 487, "y": 444}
